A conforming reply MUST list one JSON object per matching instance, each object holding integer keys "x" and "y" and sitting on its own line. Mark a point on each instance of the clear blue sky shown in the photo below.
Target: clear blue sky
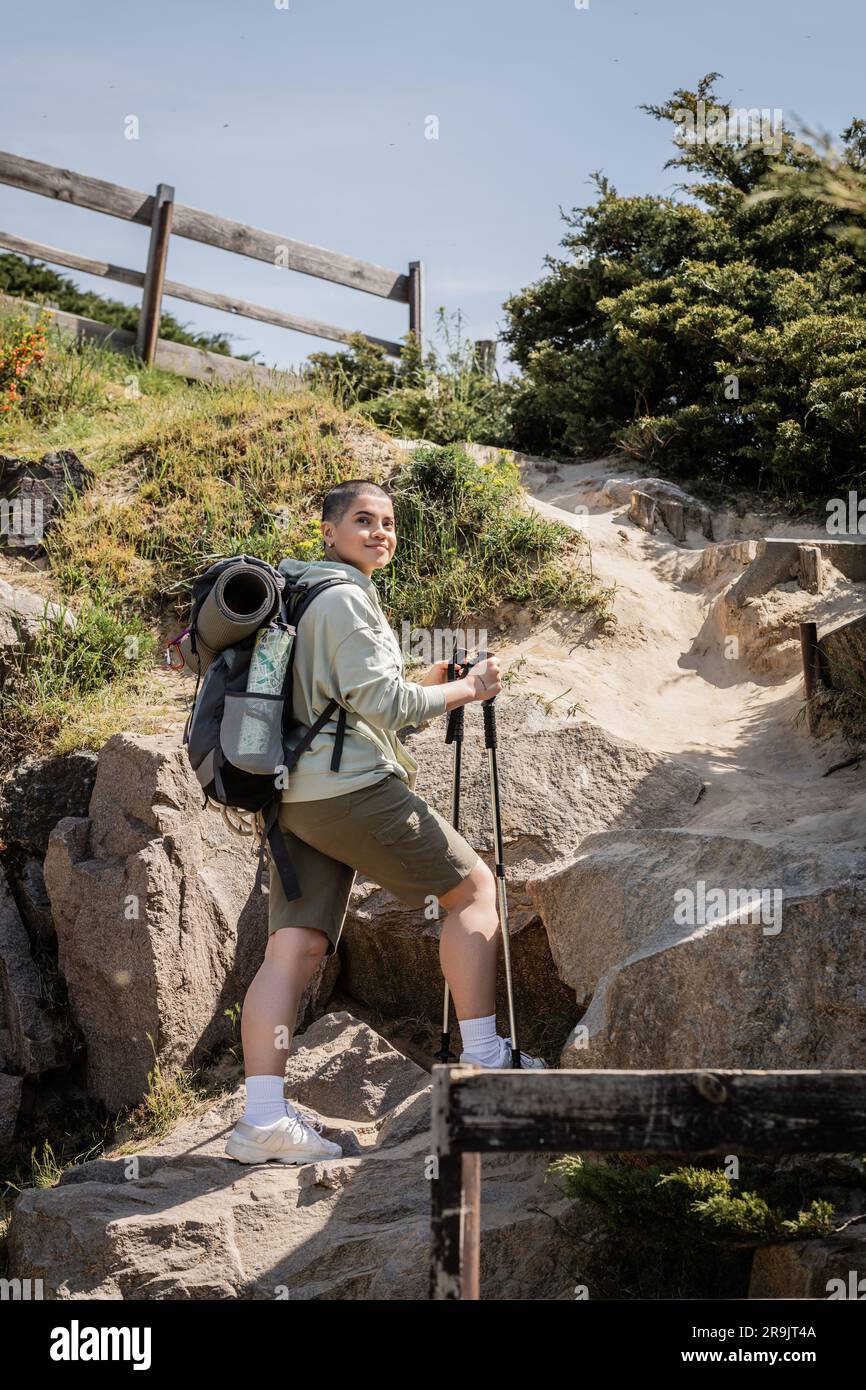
{"x": 310, "y": 121}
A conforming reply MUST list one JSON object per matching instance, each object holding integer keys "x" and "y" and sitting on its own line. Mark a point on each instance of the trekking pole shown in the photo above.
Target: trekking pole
{"x": 453, "y": 734}
{"x": 490, "y": 745}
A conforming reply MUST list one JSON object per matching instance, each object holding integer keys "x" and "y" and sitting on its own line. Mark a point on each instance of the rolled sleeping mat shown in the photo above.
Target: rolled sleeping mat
{"x": 242, "y": 598}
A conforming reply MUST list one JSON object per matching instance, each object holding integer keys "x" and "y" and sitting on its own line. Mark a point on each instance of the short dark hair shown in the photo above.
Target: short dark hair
{"x": 340, "y": 498}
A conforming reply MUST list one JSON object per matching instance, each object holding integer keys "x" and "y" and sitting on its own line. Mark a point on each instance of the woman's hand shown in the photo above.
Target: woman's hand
{"x": 437, "y": 675}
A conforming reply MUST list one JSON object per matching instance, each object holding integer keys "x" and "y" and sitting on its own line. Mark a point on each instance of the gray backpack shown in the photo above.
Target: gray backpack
{"x": 230, "y": 774}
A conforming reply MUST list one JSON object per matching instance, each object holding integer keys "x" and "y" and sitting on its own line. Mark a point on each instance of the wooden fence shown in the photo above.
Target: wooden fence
{"x": 166, "y": 218}
{"x": 478, "y": 1110}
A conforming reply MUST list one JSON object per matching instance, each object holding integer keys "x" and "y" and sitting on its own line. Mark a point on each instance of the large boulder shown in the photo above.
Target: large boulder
{"x": 36, "y": 1034}
{"x": 560, "y": 780}
{"x": 43, "y": 491}
{"x": 158, "y": 927}
{"x": 22, "y": 614}
{"x": 656, "y": 502}
{"x": 710, "y": 950}
{"x": 178, "y": 1219}
{"x": 40, "y": 792}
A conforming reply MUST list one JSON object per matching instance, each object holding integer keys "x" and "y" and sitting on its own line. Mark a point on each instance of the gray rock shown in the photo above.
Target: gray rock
{"x": 33, "y": 902}
{"x": 655, "y": 502}
{"x": 560, "y": 780}
{"x": 22, "y": 614}
{"x": 728, "y": 991}
{"x": 158, "y": 927}
{"x": 44, "y": 489}
{"x": 34, "y": 1036}
{"x": 775, "y": 562}
{"x": 40, "y": 792}
{"x": 180, "y": 1220}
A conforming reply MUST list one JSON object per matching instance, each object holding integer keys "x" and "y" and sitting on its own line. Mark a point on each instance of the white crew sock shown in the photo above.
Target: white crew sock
{"x": 480, "y": 1040}
{"x": 265, "y": 1103}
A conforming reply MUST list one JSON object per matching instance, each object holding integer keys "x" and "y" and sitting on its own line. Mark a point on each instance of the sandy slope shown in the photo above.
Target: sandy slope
{"x": 661, "y": 677}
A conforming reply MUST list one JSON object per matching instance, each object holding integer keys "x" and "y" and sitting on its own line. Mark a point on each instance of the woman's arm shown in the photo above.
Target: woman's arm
{"x": 463, "y": 692}
{"x": 369, "y": 682}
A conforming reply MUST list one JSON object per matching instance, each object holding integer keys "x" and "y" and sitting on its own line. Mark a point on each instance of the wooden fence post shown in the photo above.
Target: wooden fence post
{"x": 470, "y": 1236}
{"x": 811, "y": 669}
{"x": 416, "y": 299}
{"x": 154, "y": 276}
{"x": 455, "y": 1216}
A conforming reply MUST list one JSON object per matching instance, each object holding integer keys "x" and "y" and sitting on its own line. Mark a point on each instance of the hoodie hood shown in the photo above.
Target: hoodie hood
{"x": 309, "y": 572}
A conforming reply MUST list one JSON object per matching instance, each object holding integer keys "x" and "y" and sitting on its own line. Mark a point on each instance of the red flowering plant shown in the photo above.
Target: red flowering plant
{"x": 21, "y": 346}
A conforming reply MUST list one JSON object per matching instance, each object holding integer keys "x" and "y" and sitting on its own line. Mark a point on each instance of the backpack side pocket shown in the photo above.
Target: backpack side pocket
{"x": 251, "y": 730}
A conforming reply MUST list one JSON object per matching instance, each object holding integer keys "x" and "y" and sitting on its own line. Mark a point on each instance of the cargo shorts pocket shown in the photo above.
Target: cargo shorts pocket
{"x": 390, "y": 832}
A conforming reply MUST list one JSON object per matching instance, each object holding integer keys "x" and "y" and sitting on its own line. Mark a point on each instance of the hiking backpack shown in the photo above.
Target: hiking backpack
{"x": 230, "y": 777}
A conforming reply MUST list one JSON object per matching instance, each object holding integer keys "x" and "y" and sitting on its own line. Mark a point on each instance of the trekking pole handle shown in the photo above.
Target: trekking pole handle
{"x": 489, "y": 723}
{"x": 454, "y": 727}
{"x": 458, "y": 668}
{"x": 489, "y": 716}
{"x": 486, "y": 705}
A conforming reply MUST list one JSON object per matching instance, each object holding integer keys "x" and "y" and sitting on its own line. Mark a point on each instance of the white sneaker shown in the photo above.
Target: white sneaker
{"x": 294, "y": 1139}
{"x": 527, "y": 1061}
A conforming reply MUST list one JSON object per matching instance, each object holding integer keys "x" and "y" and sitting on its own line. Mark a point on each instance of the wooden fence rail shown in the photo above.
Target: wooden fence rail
{"x": 477, "y": 1110}
{"x": 167, "y": 218}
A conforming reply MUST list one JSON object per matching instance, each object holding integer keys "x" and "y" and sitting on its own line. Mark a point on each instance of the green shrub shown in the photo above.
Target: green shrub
{"x": 445, "y": 397}
{"x": 684, "y": 1231}
{"x": 465, "y": 543}
{"x": 66, "y": 667}
{"x": 720, "y": 339}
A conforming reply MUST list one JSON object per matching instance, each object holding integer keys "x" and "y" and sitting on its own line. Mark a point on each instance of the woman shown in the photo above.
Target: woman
{"x": 364, "y": 817}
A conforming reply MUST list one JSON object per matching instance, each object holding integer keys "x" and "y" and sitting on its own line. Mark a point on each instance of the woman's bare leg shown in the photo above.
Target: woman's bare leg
{"x": 469, "y": 943}
{"x": 270, "y": 1012}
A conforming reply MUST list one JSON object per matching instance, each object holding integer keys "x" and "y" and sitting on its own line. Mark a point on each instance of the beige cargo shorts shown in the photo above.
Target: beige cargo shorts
{"x": 384, "y": 831}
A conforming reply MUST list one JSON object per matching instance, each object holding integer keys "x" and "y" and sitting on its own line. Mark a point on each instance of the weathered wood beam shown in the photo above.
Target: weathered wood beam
{"x": 701, "y": 1111}
{"x": 128, "y": 203}
{"x": 193, "y": 363}
{"x": 175, "y": 290}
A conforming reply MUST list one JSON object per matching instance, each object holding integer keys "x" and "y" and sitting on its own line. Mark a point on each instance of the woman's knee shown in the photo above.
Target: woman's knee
{"x": 478, "y": 888}
{"x": 299, "y": 947}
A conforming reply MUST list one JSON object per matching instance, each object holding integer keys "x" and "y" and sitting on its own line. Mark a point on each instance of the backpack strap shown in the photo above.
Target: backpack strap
{"x": 272, "y": 837}
{"x": 301, "y": 606}
{"x": 314, "y": 729}
{"x": 271, "y": 834}
{"x": 338, "y": 741}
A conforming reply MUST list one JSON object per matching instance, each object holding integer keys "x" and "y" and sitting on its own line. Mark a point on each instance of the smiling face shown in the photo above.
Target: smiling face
{"x": 365, "y": 535}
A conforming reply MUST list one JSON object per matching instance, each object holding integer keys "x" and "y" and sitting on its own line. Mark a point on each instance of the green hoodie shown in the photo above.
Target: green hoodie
{"x": 346, "y": 651}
